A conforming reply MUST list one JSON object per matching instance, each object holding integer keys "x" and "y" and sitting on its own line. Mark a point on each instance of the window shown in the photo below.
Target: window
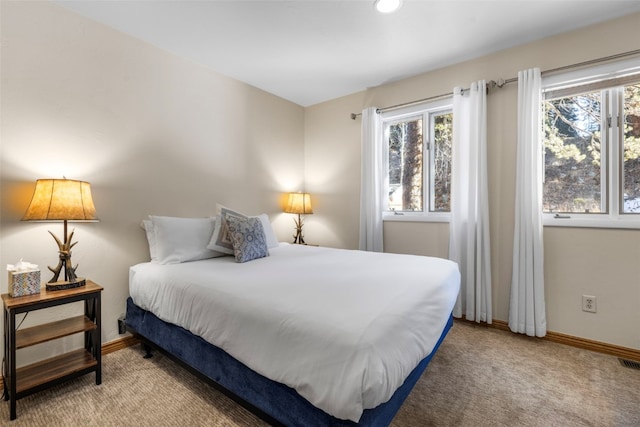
{"x": 574, "y": 177}
{"x": 591, "y": 143}
{"x": 418, "y": 144}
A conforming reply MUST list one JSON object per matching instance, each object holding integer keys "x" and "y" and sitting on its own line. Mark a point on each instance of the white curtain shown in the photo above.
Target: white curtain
{"x": 372, "y": 182}
{"x": 469, "y": 243}
{"x": 527, "y": 308}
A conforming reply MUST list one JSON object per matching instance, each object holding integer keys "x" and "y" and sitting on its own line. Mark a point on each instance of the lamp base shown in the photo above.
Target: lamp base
{"x": 297, "y": 238}
{"x": 64, "y": 284}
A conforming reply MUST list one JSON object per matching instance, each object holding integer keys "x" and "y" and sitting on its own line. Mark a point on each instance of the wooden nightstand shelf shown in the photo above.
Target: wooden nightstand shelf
{"x": 21, "y": 382}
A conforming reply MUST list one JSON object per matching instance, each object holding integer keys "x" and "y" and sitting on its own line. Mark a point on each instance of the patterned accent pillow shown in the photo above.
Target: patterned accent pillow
{"x": 220, "y": 239}
{"x": 248, "y": 238}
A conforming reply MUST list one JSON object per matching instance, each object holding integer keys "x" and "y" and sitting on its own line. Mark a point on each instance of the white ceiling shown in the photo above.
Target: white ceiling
{"x": 312, "y": 51}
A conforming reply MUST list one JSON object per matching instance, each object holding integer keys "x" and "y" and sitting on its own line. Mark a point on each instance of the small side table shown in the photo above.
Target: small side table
{"x": 21, "y": 382}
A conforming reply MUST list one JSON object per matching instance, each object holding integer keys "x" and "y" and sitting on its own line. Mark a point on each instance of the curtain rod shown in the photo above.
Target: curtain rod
{"x": 500, "y": 83}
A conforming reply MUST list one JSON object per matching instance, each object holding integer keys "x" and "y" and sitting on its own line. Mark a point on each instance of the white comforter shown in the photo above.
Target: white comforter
{"x": 343, "y": 328}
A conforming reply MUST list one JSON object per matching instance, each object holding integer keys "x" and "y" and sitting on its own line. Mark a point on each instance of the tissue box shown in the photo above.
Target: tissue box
{"x": 24, "y": 283}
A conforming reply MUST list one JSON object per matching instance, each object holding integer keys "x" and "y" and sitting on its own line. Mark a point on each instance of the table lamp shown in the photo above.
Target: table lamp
{"x": 299, "y": 203}
{"x": 62, "y": 200}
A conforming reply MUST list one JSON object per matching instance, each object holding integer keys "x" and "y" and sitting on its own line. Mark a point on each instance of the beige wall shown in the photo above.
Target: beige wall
{"x": 152, "y": 133}
{"x": 604, "y": 263}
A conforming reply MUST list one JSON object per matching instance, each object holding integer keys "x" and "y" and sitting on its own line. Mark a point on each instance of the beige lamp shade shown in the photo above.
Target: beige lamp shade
{"x": 61, "y": 199}
{"x": 299, "y": 203}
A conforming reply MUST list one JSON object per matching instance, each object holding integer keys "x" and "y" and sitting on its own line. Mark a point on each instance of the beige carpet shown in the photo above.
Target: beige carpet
{"x": 480, "y": 377}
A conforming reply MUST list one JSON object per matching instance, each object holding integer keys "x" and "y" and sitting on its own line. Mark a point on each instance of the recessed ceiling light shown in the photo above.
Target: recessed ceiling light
{"x": 387, "y": 6}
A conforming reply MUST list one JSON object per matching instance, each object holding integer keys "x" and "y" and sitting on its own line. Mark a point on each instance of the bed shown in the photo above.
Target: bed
{"x": 304, "y": 336}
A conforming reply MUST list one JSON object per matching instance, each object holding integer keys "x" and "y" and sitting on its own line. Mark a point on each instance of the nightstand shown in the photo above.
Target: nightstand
{"x": 26, "y": 380}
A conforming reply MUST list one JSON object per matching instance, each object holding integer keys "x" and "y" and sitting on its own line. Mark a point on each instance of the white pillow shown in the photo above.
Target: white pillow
{"x": 151, "y": 238}
{"x": 269, "y": 234}
{"x": 182, "y": 239}
{"x": 221, "y": 239}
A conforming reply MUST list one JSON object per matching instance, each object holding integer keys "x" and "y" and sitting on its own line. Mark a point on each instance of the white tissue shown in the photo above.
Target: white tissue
{"x": 22, "y": 266}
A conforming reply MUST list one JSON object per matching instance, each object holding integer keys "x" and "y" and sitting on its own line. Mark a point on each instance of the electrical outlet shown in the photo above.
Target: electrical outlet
{"x": 589, "y": 303}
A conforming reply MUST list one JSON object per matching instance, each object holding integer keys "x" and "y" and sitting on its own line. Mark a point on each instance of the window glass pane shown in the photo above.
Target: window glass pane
{"x": 405, "y": 165}
{"x": 631, "y": 133}
{"x": 573, "y": 175}
{"x": 442, "y": 142}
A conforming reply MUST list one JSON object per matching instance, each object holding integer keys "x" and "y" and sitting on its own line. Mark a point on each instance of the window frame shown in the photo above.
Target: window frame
{"x": 609, "y": 79}
{"x": 427, "y": 111}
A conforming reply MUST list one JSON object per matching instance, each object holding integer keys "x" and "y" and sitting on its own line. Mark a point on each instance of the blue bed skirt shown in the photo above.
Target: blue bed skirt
{"x": 274, "y": 402}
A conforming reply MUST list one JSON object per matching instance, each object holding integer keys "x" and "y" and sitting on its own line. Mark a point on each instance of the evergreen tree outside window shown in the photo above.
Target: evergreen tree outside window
{"x": 592, "y": 150}
{"x": 574, "y": 173}
{"x": 419, "y": 160}
{"x": 631, "y": 135}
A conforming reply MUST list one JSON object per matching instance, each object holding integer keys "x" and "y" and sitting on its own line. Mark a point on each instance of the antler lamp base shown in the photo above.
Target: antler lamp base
{"x": 298, "y": 238}
{"x": 64, "y": 263}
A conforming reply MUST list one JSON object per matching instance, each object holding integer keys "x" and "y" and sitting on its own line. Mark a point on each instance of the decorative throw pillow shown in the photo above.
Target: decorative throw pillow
{"x": 220, "y": 239}
{"x": 247, "y": 235}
